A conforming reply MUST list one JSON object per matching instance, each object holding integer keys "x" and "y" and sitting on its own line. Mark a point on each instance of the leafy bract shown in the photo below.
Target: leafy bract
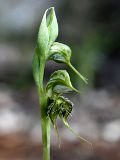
{"x": 48, "y": 32}
{"x": 61, "y": 53}
{"x": 59, "y": 83}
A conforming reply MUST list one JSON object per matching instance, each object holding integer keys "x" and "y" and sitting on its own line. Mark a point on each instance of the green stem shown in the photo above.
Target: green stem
{"x": 46, "y": 138}
{"x": 45, "y": 122}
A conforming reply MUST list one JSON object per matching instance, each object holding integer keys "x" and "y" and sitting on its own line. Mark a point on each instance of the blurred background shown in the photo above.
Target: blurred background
{"x": 92, "y": 29}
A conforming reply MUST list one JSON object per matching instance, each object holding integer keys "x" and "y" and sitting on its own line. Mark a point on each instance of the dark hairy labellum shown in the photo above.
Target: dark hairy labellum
{"x": 61, "y": 107}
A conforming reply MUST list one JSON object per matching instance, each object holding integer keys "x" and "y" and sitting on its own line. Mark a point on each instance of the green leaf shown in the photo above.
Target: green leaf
{"x": 59, "y": 83}
{"x": 36, "y": 66}
{"x": 48, "y": 32}
{"x": 61, "y": 53}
